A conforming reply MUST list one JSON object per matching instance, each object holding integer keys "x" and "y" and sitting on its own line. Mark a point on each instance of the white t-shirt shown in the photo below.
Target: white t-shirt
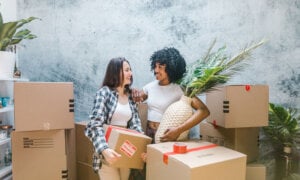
{"x": 160, "y": 98}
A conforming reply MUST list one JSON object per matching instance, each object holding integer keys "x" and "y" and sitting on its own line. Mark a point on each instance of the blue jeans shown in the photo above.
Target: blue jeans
{"x": 195, "y": 132}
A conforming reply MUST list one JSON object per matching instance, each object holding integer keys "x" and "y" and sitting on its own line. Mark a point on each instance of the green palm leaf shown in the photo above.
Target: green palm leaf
{"x": 213, "y": 69}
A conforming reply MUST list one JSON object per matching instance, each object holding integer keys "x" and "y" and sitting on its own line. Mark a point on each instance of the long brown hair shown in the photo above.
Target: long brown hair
{"x": 112, "y": 77}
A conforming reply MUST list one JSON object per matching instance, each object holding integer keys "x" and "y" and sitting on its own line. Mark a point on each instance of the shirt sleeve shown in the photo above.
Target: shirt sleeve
{"x": 145, "y": 89}
{"x": 94, "y": 129}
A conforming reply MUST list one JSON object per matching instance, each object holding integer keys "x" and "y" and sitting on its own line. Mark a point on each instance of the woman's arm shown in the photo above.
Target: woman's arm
{"x": 94, "y": 129}
{"x": 201, "y": 112}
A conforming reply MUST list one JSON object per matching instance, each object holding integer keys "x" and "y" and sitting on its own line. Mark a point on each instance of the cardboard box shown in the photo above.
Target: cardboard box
{"x": 129, "y": 143}
{"x": 118, "y": 137}
{"x": 203, "y": 160}
{"x": 244, "y": 140}
{"x": 39, "y": 155}
{"x": 84, "y": 147}
{"x": 238, "y": 106}
{"x": 85, "y": 172}
{"x": 43, "y": 105}
{"x": 255, "y": 172}
{"x": 71, "y": 153}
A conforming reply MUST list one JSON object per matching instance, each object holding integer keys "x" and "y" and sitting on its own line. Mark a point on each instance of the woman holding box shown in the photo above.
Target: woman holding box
{"x": 113, "y": 105}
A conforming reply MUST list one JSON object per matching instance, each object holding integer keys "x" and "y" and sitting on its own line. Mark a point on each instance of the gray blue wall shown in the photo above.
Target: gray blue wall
{"x": 76, "y": 38}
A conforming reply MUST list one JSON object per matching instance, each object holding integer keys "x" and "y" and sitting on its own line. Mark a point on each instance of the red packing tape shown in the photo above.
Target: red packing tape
{"x": 167, "y": 154}
{"x": 247, "y": 87}
{"x": 110, "y": 127}
{"x": 179, "y": 148}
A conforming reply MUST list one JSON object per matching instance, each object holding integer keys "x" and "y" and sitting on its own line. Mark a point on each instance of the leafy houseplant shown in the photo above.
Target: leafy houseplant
{"x": 203, "y": 75}
{"x": 283, "y": 133}
{"x": 213, "y": 69}
{"x": 284, "y": 128}
{"x": 10, "y": 36}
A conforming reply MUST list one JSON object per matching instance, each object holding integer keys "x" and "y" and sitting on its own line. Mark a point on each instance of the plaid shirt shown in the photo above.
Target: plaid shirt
{"x": 105, "y": 104}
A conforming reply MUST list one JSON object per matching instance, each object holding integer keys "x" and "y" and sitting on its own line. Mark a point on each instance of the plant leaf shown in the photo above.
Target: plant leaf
{"x": 215, "y": 68}
{"x": 9, "y": 34}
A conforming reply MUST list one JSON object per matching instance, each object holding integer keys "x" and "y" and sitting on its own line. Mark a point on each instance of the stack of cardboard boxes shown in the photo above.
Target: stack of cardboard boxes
{"x": 236, "y": 114}
{"x": 43, "y": 139}
{"x": 229, "y": 145}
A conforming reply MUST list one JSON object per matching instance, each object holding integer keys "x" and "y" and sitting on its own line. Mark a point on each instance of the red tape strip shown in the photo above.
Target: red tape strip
{"x": 167, "y": 154}
{"x": 110, "y": 128}
{"x": 179, "y": 148}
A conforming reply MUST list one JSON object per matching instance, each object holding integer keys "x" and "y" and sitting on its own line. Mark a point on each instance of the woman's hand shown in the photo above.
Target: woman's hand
{"x": 110, "y": 156}
{"x": 138, "y": 96}
{"x": 171, "y": 134}
{"x": 200, "y": 113}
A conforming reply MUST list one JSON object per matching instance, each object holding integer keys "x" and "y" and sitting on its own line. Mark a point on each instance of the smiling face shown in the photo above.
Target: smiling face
{"x": 126, "y": 73}
{"x": 161, "y": 74}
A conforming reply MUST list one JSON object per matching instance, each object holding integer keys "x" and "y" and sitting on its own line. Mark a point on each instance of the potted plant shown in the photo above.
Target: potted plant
{"x": 10, "y": 35}
{"x": 283, "y": 134}
{"x": 203, "y": 75}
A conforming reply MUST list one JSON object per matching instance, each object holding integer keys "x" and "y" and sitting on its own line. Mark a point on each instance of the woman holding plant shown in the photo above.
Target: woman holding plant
{"x": 168, "y": 66}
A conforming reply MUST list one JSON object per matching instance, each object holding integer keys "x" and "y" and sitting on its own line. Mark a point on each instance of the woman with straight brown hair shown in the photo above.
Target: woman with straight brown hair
{"x": 113, "y": 105}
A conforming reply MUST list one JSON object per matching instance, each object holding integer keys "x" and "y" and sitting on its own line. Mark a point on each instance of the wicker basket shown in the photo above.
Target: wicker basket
{"x": 175, "y": 115}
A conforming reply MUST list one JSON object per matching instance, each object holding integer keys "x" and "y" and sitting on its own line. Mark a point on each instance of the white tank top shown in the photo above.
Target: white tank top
{"x": 121, "y": 115}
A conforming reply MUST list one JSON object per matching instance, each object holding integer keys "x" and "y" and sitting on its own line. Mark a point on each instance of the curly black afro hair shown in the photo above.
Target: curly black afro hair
{"x": 175, "y": 63}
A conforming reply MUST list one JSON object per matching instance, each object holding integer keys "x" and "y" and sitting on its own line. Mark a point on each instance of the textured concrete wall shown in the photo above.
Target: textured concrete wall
{"x": 8, "y": 9}
{"x": 76, "y": 38}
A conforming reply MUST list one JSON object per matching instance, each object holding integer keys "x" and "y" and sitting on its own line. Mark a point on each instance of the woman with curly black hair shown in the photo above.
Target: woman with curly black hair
{"x": 173, "y": 61}
{"x": 168, "y": 66}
